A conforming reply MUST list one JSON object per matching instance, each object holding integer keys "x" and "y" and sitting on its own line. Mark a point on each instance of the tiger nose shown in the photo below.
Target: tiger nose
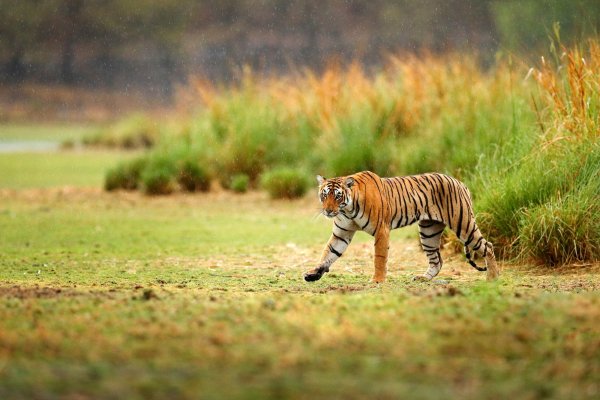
{"x": 329, "y": 210}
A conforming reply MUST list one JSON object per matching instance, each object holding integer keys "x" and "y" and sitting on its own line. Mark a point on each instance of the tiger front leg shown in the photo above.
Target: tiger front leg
{"x": 337, "y": 244}
{"x": 382, "y": 246}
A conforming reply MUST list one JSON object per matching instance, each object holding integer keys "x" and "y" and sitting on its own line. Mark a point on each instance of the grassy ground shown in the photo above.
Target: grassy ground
{"x": 126, "y": 296}
{"x": 201, "y": 296}
{"x": 73, "y": 168}
{"x": 45, "y": 131}
{"x": 50, "y": 169}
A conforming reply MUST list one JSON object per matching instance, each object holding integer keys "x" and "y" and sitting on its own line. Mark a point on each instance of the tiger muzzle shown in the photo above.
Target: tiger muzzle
{"x": 329, "y": 213}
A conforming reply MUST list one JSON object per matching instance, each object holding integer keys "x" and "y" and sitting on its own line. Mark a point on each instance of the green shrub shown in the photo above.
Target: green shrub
{"x": 562, "y": 230}
{"x": 248, "y": 131}
{"x": 239, "y": 183}
{"x": 159, "y": 176}
{"x": 508, "y": 200}
{"x": 192, "y": 177}
{"x": 285, "y": 183}
{"x": 125, "y": 175}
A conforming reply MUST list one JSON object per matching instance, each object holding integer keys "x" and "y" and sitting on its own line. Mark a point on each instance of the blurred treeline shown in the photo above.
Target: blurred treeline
{"x": 156, "y": 43}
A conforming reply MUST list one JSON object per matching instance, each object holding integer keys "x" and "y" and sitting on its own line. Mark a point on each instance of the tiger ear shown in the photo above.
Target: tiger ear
{"x": 320, "y": 179}
{"x": 349, "y": 182}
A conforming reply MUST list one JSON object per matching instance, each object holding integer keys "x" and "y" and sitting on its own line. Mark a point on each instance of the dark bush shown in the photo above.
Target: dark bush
{"x": 125, "y": 175}
{"x": 192, "y": 177}
{"x": 239, "y": 183}
{"x": 159, "y": 176}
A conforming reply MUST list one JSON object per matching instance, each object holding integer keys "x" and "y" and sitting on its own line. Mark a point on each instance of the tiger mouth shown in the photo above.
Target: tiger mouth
{"x": 330, "y": 214}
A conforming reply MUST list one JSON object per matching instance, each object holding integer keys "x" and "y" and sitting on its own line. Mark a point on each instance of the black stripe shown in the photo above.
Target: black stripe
{"x": 334, "y": 251}
{"x": 424, "y": 236}
{"x": 418, "y": 191}
{"x": 402, "y": 201}
{"x": 416, "y": 208}
{"x": 377, "y": 181}
{"x": 470, "y": 238}
{"x": 355, "y": 204}
{"x": 407, "y": 197}
{"x": 365, "y": 225}
{"x": 440, "y": 190}
{"x": 392, "y": 193}
{"x": 453, "y": 198}
{"x": 431, "y": 188}
{"x": 339, "y": 238}
{"x": 460, "y": 218}
{"x": 478, "y": 244}
{"x": 363, "y": 211}
{"x": 340, "y": 228}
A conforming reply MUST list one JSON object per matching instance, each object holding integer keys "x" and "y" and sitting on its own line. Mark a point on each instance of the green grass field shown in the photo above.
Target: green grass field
{"x": 52, "y": 169}
{"x": 201, "y": 296}
{"x": 38, "y": 169}
{"x": 45, "y": 131}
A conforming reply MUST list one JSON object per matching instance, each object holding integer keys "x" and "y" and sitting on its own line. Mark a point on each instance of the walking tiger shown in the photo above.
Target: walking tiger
{"x": 366, "y": 202}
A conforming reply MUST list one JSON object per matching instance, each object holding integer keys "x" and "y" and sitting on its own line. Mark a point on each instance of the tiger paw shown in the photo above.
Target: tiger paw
{"x": 492, "y": 275}
{"x": 377, "y": 279}
{"x": 312, "y": 276}
{"x": 315, "y": 274}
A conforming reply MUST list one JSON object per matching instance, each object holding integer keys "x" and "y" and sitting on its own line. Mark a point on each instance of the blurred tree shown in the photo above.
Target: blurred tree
{"x": 20, "y": 22}
{"x": 526, "y": 25}
{"x": 71, "y": 13}
{"x": 112, "y": 27}
{"x": 156, "y": 42}
{"x": 164, "y": 23}
{"x": 103, "y": 27}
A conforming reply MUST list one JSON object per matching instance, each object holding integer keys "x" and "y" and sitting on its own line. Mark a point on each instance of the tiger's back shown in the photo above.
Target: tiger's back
{"x": 402, "y": 201}
{"x": 429, "y": 196}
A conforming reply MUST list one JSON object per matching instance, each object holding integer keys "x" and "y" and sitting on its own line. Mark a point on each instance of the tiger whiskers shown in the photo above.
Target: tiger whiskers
{"x": 319, "y": 213}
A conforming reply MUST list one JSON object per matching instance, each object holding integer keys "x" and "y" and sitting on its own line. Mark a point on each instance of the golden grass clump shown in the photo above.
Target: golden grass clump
{"x": 570, "y": 88}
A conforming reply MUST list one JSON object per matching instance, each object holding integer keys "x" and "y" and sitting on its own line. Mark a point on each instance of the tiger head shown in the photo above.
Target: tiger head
{"x": 335, "y": 195}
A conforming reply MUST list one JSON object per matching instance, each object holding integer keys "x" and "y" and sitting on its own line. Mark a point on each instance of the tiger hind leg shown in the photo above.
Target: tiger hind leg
{"x": 490, "y": 261}
{"x": 484, "y": 249}
{"x": 430, "y": 233}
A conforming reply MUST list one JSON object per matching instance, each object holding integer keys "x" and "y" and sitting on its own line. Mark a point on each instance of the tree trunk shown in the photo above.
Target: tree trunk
{"x": 72, "y": 14}
{"x": 15, "y": 68}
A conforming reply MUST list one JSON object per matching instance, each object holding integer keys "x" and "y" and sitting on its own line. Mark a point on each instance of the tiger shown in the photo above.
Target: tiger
{"x": 366, "y": 202}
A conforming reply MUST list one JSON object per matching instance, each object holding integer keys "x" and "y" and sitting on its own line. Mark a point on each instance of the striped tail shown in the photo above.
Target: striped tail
{"x": 470, "y": 260}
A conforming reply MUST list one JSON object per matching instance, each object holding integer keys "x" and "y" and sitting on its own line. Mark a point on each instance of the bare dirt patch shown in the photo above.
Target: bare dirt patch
{"x": 33, "y": 292}
{"x": 46, "y": 292}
